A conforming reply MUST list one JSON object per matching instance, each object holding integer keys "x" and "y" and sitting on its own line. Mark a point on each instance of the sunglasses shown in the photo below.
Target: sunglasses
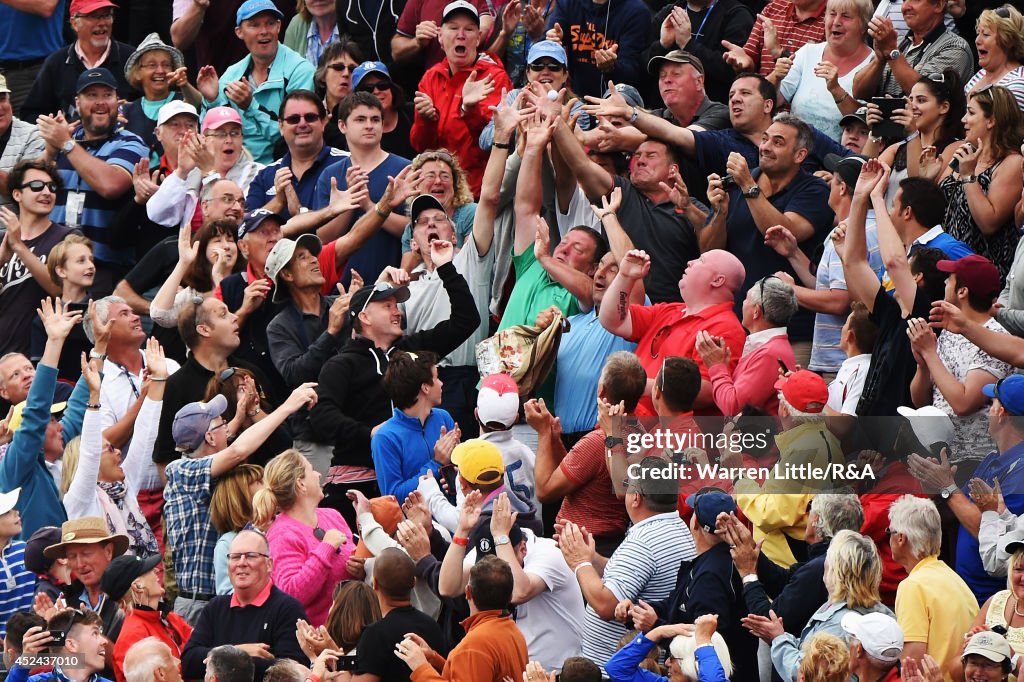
{"x": 227, "y": 374}
{"x": 295, "y": 118}
{"x": 38, "y": 185}
{"x": 1002, "y": 12}
{"x": 339, "y": 67}
{"x": 378, "y": 287}
{"x": 379, "y": 86}
{"x": 555, "y": 67}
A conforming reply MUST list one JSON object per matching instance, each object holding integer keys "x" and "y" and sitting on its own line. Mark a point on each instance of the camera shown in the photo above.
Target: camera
{"x": 729, "y": 183}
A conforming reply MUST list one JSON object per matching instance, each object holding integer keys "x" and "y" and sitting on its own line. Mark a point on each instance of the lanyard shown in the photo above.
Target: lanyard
{"x": 705, "y": 19}
{"x": 128, "y": 375}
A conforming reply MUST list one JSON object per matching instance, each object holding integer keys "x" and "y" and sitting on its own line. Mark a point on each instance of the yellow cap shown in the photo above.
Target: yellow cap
{"x": 479, "y": 461}
{"x": 15, "y": 422}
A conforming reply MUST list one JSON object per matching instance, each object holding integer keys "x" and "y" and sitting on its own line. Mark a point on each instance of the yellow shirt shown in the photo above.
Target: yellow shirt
{"x": 935, "y": 606}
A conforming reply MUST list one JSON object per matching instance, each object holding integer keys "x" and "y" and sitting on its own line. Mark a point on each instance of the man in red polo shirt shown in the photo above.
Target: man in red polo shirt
{"x": 708, "y": 285}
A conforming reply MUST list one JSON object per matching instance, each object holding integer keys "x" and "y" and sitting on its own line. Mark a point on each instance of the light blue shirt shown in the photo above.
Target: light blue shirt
{"x": 314, "y": 47}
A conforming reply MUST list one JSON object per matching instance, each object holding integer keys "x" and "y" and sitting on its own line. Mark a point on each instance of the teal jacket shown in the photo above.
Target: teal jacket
{"x": 24, "y": 466}
{"x": 289, "y": 72}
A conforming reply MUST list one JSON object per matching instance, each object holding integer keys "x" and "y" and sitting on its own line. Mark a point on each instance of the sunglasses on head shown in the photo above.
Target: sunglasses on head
{"x": 1002, "y": 12}
{"x": 38, "y": 185}
{"x": 308, "y": 117}
{"x": 227, "y": 374}
{"x": 379, "y": 86}
{"x": 537, "y": 67}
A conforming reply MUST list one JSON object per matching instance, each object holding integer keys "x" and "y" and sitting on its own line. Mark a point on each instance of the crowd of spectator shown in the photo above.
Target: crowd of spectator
{"x": 488, "y": 340}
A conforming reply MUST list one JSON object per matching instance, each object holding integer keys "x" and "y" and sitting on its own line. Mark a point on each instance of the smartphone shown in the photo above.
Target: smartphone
{"x": 346, "y": 663}
{"x": 728, "y": 183}
{"x": 782, "y": 365}
{"x": 888, "y": 127}
{"x": 785, "y": 54}
{"x": 58, "y": 637}
{"x": 954, "y": 164}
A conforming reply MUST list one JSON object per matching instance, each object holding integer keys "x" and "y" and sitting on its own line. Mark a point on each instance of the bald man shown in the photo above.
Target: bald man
{"x": 708, "y": 285}
{"x": 394, "y": 576}
{"x": 151, "y": 660}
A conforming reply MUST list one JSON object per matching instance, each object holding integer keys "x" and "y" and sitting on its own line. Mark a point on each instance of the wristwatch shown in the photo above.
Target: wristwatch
{"x": 67, "y": 147}
{"x": 967, "y": 179}
{"x": 501, "y": 540}
{"x": 612, "y": 441}
{"x": 894, "y": 54}
{"x": 752, "y": 193}
{"x": 948, "y": 491}
{"x": 93, "y": 355}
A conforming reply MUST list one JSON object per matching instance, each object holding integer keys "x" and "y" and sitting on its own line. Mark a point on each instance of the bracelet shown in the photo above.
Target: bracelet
{"x": 158, "y": 378}
{"x": 93, "y": 407}
{"x": 634, "y": 116}
{"x": 502, "y": 145}
{"x": 602, "y": 216}
{"x": 461, "y": 542}
{"x": 576, "y": 571}
{"x": 255, "y": 412}
{"x": 382, "y": 214}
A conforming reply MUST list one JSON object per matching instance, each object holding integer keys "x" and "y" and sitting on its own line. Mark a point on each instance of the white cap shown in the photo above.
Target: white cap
{"x": 460, "y": 6}
{"x": 173, "y": 108}
{"x": 992, "y": 646}
{"x": 498, "y": 400}
{"x": 8, "y": 500}
{"x": 931, "y": 425}
{"x": 880, "y": 634}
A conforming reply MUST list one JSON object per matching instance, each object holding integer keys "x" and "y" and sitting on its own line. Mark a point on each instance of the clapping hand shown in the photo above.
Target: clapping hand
{"x": 58, "y": 320}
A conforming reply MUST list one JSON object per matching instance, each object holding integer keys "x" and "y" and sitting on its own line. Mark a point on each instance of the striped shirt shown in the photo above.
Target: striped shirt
{"x": 893, "y": 10}
{"x": 793, "y": 33}
{"x": 122, "y": 149}
{"x": 191, "y": 536}
{"x": 937, "y": 51}
{"x": 1012, "y": 81}
{"x": 645, "y": 566}
{"x": 17, "y": 584}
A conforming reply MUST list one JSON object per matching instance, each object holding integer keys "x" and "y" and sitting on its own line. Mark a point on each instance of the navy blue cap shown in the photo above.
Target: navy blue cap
{"x": 98, "y": 76}
{"x": 708, "y": 503}
{"x": 253, "y": 219}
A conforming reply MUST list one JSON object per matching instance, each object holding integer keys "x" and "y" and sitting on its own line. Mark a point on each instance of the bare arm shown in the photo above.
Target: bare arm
{"x": 185, "y": 29}
{"x": 894, "y": 256}
{"x": 404, "y": 48}
{"x": 110, "y": 182}
{"x": 594, "y": 180}
{"x": 868, "y": 80}
{"x": 42, "y": 8}
{"x": 614, "y": 314}
{"x": 992, "y": 210}
{"x": 138, "y": 304}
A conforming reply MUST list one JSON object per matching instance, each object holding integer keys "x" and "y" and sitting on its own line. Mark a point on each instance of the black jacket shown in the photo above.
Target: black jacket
{"x": 794, "y": 593}
{"x": 351, "y": 392}
{"x": 54, "y": 89}
{"x": 728, "y": 20}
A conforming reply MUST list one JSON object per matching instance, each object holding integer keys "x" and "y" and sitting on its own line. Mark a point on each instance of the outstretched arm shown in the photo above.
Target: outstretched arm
{"x": 614, "y": 314}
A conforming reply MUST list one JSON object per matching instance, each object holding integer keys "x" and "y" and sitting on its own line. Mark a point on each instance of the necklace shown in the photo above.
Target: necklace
{"x": 1016, "y": 611}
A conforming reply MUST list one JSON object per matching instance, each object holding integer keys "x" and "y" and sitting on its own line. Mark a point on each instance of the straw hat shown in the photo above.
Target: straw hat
{"x": 88, "y": 530}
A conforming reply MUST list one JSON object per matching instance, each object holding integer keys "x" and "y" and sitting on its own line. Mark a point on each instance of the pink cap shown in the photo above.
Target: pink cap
{"x": 218, "y": 116}
{"x": 498, "y": 400}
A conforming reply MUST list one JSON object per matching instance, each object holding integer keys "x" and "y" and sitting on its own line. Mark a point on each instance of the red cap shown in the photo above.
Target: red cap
{"x": 804, "y": 390}
{"x": 88, "y": 6}
{"x": 975, "y": 272}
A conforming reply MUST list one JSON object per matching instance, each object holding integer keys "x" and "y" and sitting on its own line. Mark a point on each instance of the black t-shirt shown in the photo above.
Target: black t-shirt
{"x": 892, "y": 368}
{"x": 146, "y": 278}
{"x": 663, "y": 233}
{"x": 376, "y": 648}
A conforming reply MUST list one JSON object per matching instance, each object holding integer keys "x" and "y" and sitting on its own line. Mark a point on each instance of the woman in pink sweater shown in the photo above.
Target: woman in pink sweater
{"x": 308, "y": 545}
{"x": 766, "y": 311}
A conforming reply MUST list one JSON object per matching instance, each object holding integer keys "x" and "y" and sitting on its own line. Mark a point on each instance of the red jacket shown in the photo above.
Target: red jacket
{"x": 457, "y": 133}
{"x": 895, "y": 482}
{"x": 142, "y": 623}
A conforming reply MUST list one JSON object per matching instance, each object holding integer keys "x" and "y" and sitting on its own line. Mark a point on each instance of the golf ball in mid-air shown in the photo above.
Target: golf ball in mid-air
{"x": 552, "y": 95}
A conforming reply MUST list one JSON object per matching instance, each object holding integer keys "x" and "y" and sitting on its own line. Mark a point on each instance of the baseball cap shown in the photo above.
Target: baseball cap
{"x": 193, "y": 421}
{"x": 15, "y": 422}
{"x": 498, "y": 400}
{"x": 930, "y": 424}
{"x": 628, "y": 92}
{"x": 547, "y": 48}
{"x": 676, "y": 57}
{"x": 8, "y": 500}
{"x": 35, "y": 560}
{"x": 879, "y": 634}
{"x": 123, "y": 571}
{"x": 92, "y": 77}
{"x": 804, "y": 390}
{"x": 478, "y": 461}
{"x": 368, "y": 68}
{"x": 251, "y": 8}
{"x": 172, "y": 109}
{"x": 847, "y": 167}
{"x": 1010, "y": 392}
{"x": 282, "y": 254}
{"x": 482, "y": 540}
{"x": 3, "y": 84}
{"x": 219, "y": 116}
{"x": 977, "y": 273}
{"x": 253, "y": 219}
{"x": 860, "y": 115}
{"x": 460, "y": 6}
{"x": 422, "y": 203}
{"x": 708, "y": 503}
{"x": 88, "y": 6}
{"x": 992, "y": 646}
{"x": 1013, "y": 541}
{"x": 381, "y": 291}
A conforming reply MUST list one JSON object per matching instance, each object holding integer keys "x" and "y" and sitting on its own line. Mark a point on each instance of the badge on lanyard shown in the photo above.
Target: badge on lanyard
{"x": 73, "y": 209}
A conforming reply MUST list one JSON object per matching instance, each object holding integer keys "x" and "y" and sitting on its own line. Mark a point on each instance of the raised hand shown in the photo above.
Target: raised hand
{"x": 712, "y": 349}
{"x": 555, "y": 33}
{"x": 508, "y": 117}
{"x": 426, "y": 32}
{"x": 239, "y": 92}
{"x": 542, "y": 240}
{"x": 441, "y": 252}
{"x": 475, "y": 91}
{"x": 416, "y": 509}
{"x": 771, "y": 36}
{"x": 610, "y": 203}
{"x": 348, "y": 199}
{"x": 58, "y": 321}
{"x": 208, "y": 83}
{"x": 402, "y": 187}
{"x": 92, "y": 377}
{"x": 533, "y": 19}
{"x": 424, "y": 106}
{"x": 156, "y": 362}
{"x": 187, "y": 250}
{"x": 144, "y": 181}
{"x": 870, "y": 175}
{"x": 829, "y": 72}
{"x": 635, "y": 265}
{"x": 612, "y": 105}
{"x": 682, "y": 27}
{"x": 469, "y": 515}
{"x": 988, "y": 498}
{"x": 576, "y": 548}
{"x": 445, "y": 444}
{"x": 736, "y": 57}
{"x": 254, "y": 295}
{"x": 502, "y": 516}
{"x": 606, "y": 59}
{"x": 779, "y": 238}
{"x": 302, "y": 396}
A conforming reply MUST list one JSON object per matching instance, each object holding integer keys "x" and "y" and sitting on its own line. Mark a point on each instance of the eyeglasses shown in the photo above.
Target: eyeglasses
{"x": 890, "y": 531}
{"x": 555, "y": 67}
{"x": 379, "y": 86}
{"x": 658, "y": 340}
{"x": 339, "y": 67}
{"x": 38, "y": 185}
{"x": 98, "y": 15}
{"x": 294, "y": 119}
{"x": 235, "y": 557}
{"x": 435, "y": 220}
{"x": 431, "y": 177}
{"x": 229, "y": 200}
{"x": 227, "y": 374}
{"x": 152, "y": 66}
{"x": 218, "y": 426}
{"x": 761, "y": 289}
{"x": 233, "y": 134}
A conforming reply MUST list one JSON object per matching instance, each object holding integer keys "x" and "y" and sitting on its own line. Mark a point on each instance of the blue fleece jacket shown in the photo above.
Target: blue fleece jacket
{"x": 289, "y": 72}
{"x": 403, "y": 450}
{"x": 24, "y": 466}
